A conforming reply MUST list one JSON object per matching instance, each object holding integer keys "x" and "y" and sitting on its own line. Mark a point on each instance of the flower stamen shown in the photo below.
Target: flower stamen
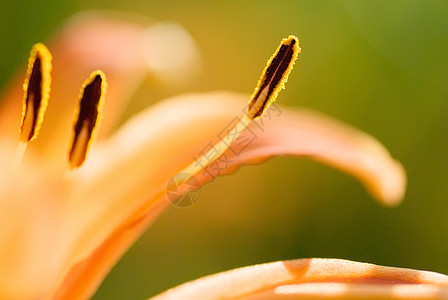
{"x": 274, "y": 76}
{"x": 36, "y": 92}
{"x": 87, "y": 117}
{"x": 271, "y": 82}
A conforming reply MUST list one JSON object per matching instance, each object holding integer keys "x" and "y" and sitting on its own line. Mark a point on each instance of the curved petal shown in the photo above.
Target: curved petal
{"x": 128, "y": 174}
{"x": 310, "y": 134}
{"x": 314, "y": 279}
{"x": 83, "y": 278}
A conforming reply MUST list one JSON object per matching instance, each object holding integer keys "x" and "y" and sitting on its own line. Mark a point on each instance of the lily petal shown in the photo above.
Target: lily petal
{"x": 116, "y": 195}
{"x": 311, "y": 134}
{"x": 314, "y": 279}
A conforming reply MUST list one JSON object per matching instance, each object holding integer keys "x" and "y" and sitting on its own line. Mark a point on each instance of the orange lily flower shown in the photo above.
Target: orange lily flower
{"x": 61, "y": 235}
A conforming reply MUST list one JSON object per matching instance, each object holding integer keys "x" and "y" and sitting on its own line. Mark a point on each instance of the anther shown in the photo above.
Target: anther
{"x": 274, "y": 76}
{"x": 36, "y": 92}
{"x": 87, "y": 117}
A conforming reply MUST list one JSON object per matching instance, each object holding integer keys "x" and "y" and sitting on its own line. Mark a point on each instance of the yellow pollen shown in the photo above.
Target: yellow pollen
{"x": 87, "y": 117}
{"x": 274, "y": 76}
{"x": 36, "y": 90}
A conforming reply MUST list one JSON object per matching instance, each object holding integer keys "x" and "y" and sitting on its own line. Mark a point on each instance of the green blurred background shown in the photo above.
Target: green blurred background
{"x": 381, "y": 66}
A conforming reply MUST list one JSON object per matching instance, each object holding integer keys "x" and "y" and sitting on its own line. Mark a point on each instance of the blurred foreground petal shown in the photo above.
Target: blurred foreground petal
{"x": 130, "y": 171}
{"x": 314, "y": 279}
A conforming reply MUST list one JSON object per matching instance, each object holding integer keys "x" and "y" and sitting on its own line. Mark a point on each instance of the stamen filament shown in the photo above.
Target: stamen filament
{"x": 36, "y": 92}
{"x": 18, "y": 157}
{"x": 87, "y": 117}
{"x": 271, "y": 82}
{"x": 216, "y": 151}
